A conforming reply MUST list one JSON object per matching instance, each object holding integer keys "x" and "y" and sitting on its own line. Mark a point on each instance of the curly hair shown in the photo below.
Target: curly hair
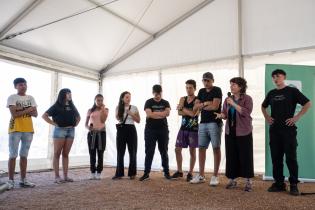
{"x": 241, "y": 82}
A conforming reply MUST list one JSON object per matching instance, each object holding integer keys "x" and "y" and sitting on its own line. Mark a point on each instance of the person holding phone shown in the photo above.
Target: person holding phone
{"x": 96, "y": 137}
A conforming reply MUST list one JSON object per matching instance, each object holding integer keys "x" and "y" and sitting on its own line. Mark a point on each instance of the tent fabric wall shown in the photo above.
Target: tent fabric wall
{"x": 187, "y": 50}
{"x": 44, "y": 86}
{"x": 173, "y": 84}
{"x": 37, "y": 82}
{"x": 277, "y": 25}
{"x": 172, "y": 80}
{"x": 140, "y": 84}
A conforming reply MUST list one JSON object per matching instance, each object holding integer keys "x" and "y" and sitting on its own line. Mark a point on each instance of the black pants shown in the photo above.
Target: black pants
{"x": 97, "y": 145}
{"x": 151, "y": 136}
{"x": 127, "y": 135}
{"x": 239, "y": 156}
{"x": 284, "y": 142}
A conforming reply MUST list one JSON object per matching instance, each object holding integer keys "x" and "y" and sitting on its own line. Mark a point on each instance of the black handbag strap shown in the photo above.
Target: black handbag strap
{"x": 126, "y": 116}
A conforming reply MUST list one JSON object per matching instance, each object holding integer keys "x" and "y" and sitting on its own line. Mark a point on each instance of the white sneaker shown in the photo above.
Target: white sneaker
{"x": 198, "y": 179}
{"x": 58, "y": 180}
{"x": 214, "y": 181}
{"x": 10, "y": 184}
{"x": 92, "y": 177}
{"x": 98, "y": 176}
{"x": 25, "y": 183}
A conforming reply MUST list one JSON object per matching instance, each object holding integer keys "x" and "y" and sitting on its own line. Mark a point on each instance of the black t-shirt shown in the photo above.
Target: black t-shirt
{"x": 203, "y": 96}
{"x": 283, "y": 103}
{"x": 189, "y": 123}
{"x": 63, "y": 116}
{"x": 156, "y": 107}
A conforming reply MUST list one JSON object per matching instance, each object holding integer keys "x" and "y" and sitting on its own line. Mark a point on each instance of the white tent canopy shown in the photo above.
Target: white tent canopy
{"x": 197, "y": 30}
{"x": 155, "y": 41}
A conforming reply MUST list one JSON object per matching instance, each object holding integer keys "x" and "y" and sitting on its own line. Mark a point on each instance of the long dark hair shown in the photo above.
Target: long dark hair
{"x": 61, "y": 99}
{"x": 94, "y": 105}
{"x": 121, "y": 105}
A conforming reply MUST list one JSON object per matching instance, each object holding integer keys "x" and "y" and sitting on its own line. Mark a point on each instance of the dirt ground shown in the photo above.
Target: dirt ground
{"x": 156, "y": 193}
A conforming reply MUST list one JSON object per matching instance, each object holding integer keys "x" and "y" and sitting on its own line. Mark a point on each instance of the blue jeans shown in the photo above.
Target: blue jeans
{"x": 14, "y": 141}
{"x": 209, "y": 132}
{"x": 63, "y": 133}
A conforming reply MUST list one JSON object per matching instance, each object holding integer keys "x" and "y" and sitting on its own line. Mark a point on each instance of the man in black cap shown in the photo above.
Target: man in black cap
{"x": 282, "y": 131}
{"x": 209, "y": 102}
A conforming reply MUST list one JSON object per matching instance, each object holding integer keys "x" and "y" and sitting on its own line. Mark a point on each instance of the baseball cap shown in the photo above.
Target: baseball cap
{"x": 208, "y": 76}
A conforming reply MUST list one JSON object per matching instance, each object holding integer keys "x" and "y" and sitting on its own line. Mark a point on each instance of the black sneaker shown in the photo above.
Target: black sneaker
{"x": 294, "y": 190}
{"x": 277, "y": 187}
{"x": 177, "y": 175}
{"x": 116, "y": 177}
{"x": 167, "y": 176}
{"x": 189, "y": 177}
{"x": 144, "y": 177}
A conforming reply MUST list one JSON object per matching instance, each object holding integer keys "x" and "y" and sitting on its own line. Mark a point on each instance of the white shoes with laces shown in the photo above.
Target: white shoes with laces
{"x": 214, "y": 181}
{"x": 198, "y": 179}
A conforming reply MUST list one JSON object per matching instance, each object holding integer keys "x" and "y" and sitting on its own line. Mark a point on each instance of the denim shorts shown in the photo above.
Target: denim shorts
{"x": 14, "y": 141}
{"x": 209, "y": 132}
{"x": 63, "y": 133}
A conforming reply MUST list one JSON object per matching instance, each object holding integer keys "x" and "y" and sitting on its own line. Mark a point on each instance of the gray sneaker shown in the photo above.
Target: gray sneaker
{"x": 232, "y": 184}
{"x": 26, "y": 184}
{"x": 92, "y": 177}
{"x": 98, "y": 176}
{"x": 248, "y": 187}
{"x": 10, "y": 184}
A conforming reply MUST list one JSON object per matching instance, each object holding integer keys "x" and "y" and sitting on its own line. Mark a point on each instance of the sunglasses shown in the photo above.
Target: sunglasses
{"x": 206, "y": 80}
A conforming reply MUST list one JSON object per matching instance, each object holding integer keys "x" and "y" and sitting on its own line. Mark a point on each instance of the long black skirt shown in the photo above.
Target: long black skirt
{"x": 239, "y": 156}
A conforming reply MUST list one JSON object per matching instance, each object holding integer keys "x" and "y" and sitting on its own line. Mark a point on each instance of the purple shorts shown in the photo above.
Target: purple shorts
{"x": 187, "y": 138}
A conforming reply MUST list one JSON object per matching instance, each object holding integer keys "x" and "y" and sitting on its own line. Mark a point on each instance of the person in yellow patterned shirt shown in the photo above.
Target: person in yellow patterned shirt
{"x": 22, "y": 108}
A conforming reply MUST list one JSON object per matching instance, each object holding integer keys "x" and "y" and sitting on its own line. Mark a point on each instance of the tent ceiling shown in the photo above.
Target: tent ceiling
{"x": 122, "y": 36}
{"x": 10, "y": 9}
{"x": 197, "y": 39}
{"x": 93, "y": 39}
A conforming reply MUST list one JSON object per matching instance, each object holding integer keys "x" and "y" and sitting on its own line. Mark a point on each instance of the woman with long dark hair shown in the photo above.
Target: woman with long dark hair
{"x": 127, "y": 115}
{"x": 237, "y": 109}
{"x": 65, "y": 117}
{"x": 96, "y": 138}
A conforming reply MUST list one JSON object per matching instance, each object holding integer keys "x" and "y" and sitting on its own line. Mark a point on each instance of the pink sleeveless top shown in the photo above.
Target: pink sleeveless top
{"x": 95, "y": 119}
